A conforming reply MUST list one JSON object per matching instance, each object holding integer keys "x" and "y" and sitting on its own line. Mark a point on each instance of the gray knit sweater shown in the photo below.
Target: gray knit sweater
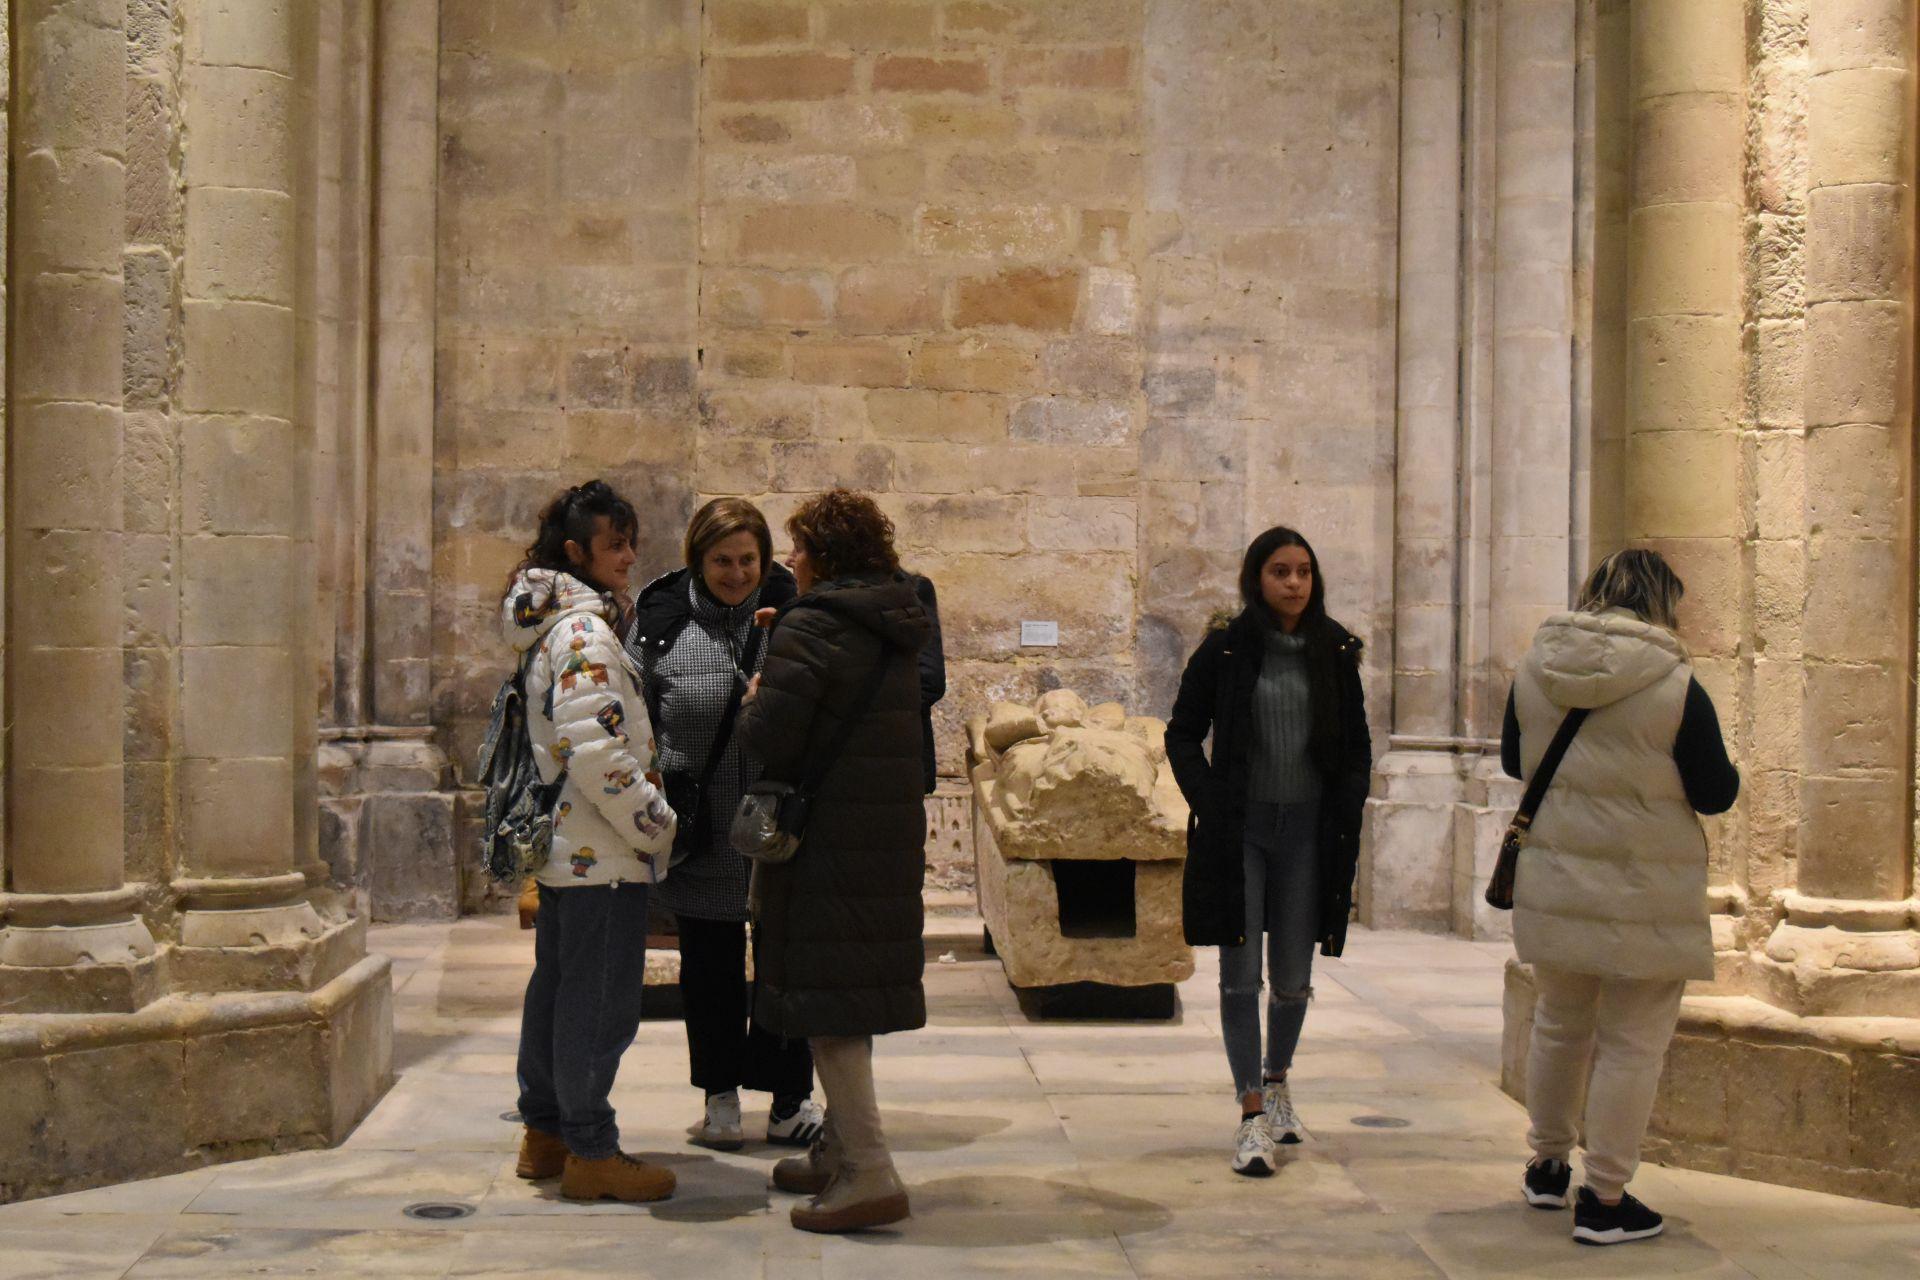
{"x": 1282, "y": 721}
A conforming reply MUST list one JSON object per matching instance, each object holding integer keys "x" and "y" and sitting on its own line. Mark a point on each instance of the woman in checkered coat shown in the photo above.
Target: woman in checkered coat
{"x": 694, "y": 636}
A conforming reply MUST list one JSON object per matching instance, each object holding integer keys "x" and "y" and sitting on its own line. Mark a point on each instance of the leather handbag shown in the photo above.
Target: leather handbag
{"x": 772, "y": 819}
{"x": 1500, "y": 886}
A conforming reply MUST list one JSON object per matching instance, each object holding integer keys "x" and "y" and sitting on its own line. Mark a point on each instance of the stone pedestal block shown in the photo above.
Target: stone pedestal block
{"x": 249, "y": 1074}
{"x": 1753, "y": 1091}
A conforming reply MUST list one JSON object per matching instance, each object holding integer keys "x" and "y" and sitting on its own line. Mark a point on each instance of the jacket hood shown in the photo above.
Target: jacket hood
{"x": 541, "y": 597}
{"x": 886, "y": 605}
{"x": 1594, "y": 660}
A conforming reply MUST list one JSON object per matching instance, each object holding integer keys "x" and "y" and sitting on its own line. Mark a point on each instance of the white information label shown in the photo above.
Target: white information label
{"x": 1040, "y": 635}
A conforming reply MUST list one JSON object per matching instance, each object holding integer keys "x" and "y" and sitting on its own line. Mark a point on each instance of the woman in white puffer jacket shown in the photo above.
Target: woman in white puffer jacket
{"x": 1610, "y": 896}
{"x": 612, "y": 833}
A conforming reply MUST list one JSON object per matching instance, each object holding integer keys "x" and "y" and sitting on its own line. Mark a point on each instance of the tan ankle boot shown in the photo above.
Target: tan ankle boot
{"x": 529, "y": 904}
{"x": 542, "y": 1155}
{"x": 809, "y": 1174}
{"x": 615, "y": 1177}
{"x": 857, "y": 1199}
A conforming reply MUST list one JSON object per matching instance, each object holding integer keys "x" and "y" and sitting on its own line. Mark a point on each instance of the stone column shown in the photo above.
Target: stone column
{"x": 1848, "y": 943}
{"x": 73, "y": 941}
{"x": 1521, "y": 434}
{"x": 245, "y": 779}
{"x": 1407, "y": 879}
{"x": 1686, "y": 246}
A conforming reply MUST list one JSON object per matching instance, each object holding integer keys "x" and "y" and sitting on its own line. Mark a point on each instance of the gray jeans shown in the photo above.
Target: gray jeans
{"x": 1283, "y": 902}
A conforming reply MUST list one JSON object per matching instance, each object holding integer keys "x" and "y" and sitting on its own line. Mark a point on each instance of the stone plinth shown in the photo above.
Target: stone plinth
{"x": 1754, "y": 1091}
{"x": 229, "y": 1076}
{"x": 1080, "y": 841}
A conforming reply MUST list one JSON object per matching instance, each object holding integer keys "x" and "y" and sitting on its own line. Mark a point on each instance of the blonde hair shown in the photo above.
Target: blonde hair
{"x": 719, "y": 520}
{"x": 1638, "y": 581}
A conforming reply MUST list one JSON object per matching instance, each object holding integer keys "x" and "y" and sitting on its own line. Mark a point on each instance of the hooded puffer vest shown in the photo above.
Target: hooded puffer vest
{"x": 1613, "y": 878}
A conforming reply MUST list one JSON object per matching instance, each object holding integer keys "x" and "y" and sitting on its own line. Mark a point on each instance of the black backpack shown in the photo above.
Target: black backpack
{"x": 516, "y": 832}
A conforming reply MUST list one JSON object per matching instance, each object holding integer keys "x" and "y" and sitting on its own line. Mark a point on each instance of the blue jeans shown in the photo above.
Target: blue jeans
{"x": 582, "y": 1010}
{"x": 1282, "y": 870}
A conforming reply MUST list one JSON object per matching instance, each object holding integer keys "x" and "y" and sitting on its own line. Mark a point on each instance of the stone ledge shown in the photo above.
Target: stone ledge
{"x": 1750, "y": 1090}
{"x": 83, "y": 1096}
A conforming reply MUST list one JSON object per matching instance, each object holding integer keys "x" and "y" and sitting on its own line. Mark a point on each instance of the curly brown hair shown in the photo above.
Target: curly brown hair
{"x": 844, "y": 533}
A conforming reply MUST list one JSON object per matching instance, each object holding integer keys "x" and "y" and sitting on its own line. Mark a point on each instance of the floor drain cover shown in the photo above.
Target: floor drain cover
{"x": 1381, "y": 1122}
{"x": 511, "y": 1117}
{"x": 438, "y": 1210}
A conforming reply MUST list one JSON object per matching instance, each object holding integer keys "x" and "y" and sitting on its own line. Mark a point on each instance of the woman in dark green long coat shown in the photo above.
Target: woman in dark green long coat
{"x": 838, "y": 951}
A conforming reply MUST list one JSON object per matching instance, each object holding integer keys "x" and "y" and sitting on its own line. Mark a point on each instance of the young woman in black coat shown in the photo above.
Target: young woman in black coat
{"x": 1275, "y": 832}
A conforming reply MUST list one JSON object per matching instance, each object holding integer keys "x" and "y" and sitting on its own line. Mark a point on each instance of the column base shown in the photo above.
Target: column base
{"x": 1433, "y": 834}
{"x": 1753, "y": 1091}
{"x": 250, "y": 1075}
{"x": 108, "y": 967}
{"x": 286, "y": 948}
{"x": 388, "y": 823}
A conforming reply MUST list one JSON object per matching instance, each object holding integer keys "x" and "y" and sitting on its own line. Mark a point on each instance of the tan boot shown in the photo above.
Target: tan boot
{"x": 810, "y": 1174}
{"x": 542, "y": 1155}
{"x": 857, "y": 1199}
{"x": 529, "y": 903}
{"x": 615, "y": 1177}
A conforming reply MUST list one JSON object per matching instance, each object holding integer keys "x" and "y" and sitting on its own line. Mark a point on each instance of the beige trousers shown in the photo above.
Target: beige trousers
{"x": 1601, "y": 1042}
{"x": 845, "y": 1067}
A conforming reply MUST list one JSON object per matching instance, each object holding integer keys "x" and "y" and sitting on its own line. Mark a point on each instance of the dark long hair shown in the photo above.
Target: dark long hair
{"x": 1261, "y": 550}
{"x": 571, "y": 517}
{"x": 1326, "y": 733}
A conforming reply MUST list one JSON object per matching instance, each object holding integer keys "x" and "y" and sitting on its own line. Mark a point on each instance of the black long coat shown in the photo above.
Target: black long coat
{"x": 1216, "y": 692}
{"x": 837, "y": 930}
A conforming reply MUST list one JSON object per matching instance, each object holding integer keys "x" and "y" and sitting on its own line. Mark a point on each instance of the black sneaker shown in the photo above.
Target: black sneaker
{"x": 1596, "y": 1223}
{"x": 1546, "y": 1183}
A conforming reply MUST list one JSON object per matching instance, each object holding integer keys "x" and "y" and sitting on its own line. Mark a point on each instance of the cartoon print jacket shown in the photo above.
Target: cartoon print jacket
{"x": 585, "y": 715}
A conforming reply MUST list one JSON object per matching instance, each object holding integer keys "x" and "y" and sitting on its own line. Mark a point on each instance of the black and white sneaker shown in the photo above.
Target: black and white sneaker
{"x": 1546, "y": 1183}
{"x": 797, "y": 1127}
{"x": 1597, "y": 1223}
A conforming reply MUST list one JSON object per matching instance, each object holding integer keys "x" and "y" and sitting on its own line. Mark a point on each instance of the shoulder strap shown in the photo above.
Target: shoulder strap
{"x": 1549, "y": 765}
{"x": 724, "y": 734}
{"x": 844, "y": 734}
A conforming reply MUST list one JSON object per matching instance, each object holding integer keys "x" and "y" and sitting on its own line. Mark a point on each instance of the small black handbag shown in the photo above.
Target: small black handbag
{"x": 1500, "y": 885}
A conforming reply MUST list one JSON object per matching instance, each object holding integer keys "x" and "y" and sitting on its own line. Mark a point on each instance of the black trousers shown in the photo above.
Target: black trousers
{"x": 581, "y": 1012}
{"x": 726, "y": 1049}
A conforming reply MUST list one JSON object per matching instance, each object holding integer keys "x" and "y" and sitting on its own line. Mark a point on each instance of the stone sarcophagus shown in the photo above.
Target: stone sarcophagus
{"x": 1080, "y": 838}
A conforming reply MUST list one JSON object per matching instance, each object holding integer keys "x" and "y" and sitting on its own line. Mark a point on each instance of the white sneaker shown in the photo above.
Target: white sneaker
{"x": 1253, "y": 1147}
{"x": 720, "y": 1129}
{"x": 1281, "y": 1117}
{"x": 798, "y": 1129}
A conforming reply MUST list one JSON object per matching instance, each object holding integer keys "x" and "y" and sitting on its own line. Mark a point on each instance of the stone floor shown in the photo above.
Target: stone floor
{"x": 1036, "y": 1150}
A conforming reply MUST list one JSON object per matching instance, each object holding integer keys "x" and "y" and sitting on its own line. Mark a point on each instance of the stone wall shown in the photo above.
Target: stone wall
{"x": 995, "y": 261}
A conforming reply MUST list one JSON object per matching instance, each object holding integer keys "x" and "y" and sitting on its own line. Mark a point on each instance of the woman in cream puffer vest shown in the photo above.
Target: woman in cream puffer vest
{"x": 1610, "y": 898}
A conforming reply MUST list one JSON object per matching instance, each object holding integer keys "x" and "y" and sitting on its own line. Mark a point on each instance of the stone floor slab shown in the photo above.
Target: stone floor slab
{"x": 1041, "y": 1149}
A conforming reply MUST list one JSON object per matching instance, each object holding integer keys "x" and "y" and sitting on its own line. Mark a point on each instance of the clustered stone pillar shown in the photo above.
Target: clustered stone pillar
{"x": 245, "y": 541}
{"x": 1848, "y": 943}
{"x": 73, "y": 942}
{"x": 1407, "y": 879}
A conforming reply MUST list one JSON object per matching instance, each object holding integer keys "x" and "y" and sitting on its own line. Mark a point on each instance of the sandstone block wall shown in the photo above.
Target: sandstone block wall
{"x": 1087, "y": 291}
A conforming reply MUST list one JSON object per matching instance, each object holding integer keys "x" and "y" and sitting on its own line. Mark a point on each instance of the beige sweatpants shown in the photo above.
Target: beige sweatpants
{"x": 1602, "y": 1041}
{"x": 845, "y": 1067}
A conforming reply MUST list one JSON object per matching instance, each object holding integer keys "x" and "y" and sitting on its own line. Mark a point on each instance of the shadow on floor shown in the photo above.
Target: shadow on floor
{"x": 921, "y": 1131}
{"x": 1511, "y": 1240}
{"x": 1005, "y": 1212}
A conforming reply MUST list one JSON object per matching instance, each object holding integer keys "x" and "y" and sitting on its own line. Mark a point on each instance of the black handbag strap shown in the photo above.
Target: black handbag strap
{"x": 844, "y": 734}
{"x": 1549, "y": 765}
{"x": 724, "y": 734}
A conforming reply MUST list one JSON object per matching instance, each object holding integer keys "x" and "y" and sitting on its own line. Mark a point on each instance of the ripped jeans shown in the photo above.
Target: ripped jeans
{"x": 1283, "y": 902}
